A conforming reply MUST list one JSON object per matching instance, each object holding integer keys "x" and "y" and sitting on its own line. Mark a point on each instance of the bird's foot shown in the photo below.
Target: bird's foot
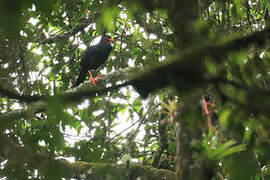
{"x": 93, "y": 81}
{"x": 99, "y": 76}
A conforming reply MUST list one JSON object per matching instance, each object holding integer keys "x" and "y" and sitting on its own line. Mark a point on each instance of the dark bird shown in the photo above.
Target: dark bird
{"x": 94, "y": 56}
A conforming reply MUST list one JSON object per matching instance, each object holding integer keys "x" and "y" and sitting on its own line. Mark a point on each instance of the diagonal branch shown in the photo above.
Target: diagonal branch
{"x": 187, "y": 69}
{"x": 79, "y": 93}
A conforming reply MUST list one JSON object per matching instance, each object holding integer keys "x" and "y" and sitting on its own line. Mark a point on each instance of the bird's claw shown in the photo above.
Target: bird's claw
{"x": 93, "y": 80}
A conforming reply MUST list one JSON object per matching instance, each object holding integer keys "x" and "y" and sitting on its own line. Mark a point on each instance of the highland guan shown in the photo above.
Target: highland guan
{"x": 94, "y": 56}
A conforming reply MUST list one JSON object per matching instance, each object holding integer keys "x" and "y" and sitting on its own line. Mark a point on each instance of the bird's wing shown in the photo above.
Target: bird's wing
{"x": 87, "y": 55}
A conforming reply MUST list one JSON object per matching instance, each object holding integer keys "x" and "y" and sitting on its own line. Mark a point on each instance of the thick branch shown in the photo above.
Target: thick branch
{"x": 80, "y": 92}
{"x": 186, "y": 70}
{"x": 70, "y": 97}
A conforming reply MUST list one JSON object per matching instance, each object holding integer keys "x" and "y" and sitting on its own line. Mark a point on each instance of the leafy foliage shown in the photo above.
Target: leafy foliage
{"x": 41, "y": 45}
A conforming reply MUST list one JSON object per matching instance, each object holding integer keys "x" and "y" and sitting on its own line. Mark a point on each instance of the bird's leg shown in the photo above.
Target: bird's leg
{"x": 92, "y": 80}
{"x": 99, "y": 76}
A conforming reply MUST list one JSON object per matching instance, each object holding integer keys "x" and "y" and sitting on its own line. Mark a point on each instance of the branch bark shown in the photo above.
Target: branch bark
{"x": 187, "y": 69}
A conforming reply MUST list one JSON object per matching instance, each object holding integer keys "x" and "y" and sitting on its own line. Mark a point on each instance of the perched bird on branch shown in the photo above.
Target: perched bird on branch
{"x": 94, "y": 56}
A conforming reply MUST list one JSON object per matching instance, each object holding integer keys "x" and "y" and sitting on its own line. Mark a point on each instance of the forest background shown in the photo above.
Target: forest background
{"x": 176, "y": 66}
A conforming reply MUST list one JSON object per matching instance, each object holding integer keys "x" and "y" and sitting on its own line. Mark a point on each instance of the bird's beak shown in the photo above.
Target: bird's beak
{"x": 111, "y": 39}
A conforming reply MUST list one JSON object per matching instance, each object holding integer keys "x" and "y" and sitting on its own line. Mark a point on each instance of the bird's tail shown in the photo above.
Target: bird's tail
{"x": 80, "y": 78}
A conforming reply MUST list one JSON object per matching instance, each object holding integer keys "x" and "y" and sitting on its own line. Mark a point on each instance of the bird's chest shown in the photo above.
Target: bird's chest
{"x": 95, "y": 59}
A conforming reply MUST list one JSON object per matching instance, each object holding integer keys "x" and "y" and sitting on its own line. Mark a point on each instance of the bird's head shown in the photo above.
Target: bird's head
{"x": 107, "y": 39}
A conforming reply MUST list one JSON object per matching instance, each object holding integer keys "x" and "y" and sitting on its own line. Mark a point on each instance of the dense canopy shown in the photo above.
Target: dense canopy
{"x": 185, "y": 92}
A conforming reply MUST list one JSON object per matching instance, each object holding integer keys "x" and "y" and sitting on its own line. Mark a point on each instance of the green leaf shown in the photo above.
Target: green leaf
{"x": 125, "y": 158}
{"x": 137, "y": 103}
{"x": 108, "y": 17}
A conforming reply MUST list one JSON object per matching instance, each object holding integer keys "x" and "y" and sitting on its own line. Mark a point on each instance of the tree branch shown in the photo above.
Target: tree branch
{"x": 79, "y": 93}
{"x": 76, "y": 95}
{"x": 187, "y": 69}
